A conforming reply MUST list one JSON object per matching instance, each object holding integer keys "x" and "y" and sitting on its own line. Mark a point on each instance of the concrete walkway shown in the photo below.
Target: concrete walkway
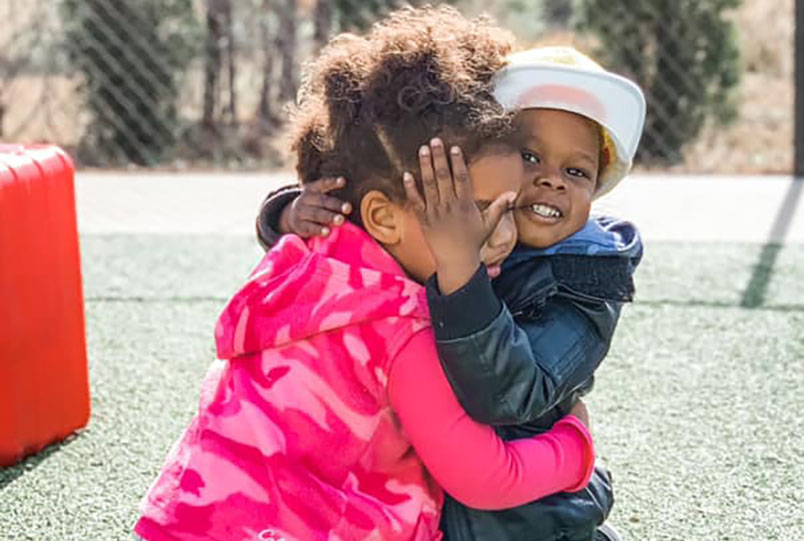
{"x": 666, "y": 208}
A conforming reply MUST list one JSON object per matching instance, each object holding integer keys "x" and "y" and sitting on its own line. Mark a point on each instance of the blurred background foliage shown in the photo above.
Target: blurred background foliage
{"x": 203, "y": 83}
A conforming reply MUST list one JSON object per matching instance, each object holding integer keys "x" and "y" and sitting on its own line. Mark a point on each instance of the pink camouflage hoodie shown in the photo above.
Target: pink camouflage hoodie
{"x": 327, "y": 405}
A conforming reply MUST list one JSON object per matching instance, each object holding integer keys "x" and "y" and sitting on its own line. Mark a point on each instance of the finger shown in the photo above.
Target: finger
{"x": 413, "y": 195}
{"x": 309, "y": 229}
{"x": 319, "y": 216}
{"x": 443, "y": 174}
{"x": 319, "y": 200}
{"x": 431, "y": 198}
{"x": 460, "y": 175}
{"x": 494, "y": 213}
{"x": 325, "y": 185}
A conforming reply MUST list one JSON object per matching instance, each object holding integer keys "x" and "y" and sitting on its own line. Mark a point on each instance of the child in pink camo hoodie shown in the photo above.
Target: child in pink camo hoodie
{"x": 328, "y": 416}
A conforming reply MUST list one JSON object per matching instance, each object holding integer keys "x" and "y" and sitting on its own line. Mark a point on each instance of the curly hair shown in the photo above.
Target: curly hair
{"x": 368, "y": 102}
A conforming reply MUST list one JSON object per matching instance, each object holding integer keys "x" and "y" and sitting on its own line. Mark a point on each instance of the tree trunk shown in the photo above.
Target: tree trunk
{"x": 265, "y": 110}
{"x": 213, "y": 62}
{"x": 230, "y": 59}
{"x": 557, "y": 13}
{"x": 322, "y": 23}
{"x": 286, "y": 45}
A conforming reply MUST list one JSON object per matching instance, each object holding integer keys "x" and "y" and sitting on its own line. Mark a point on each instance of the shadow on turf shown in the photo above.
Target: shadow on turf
{"x": 757, "y": 288}
{"x": 721, "y": 304}
{"x": 12, "y": 473}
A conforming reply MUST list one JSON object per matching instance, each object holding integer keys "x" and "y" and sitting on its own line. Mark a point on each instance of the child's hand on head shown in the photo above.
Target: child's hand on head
{"x": 454, "y": 227}
{"x": 314, "y": 212}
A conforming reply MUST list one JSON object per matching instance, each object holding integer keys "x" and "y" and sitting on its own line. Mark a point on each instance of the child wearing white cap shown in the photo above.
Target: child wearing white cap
{"x": 520, "y": 365}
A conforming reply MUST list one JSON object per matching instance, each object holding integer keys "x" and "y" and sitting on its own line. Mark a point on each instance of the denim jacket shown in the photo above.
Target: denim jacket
{"x": 521, "y": 364}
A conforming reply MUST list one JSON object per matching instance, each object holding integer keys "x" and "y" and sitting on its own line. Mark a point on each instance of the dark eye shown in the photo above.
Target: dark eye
{"x": 530, "y": 157}
{"x": 579, "y": 173}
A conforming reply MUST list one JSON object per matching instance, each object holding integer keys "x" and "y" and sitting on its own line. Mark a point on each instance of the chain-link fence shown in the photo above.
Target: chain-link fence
{"x": 202, "y": 83}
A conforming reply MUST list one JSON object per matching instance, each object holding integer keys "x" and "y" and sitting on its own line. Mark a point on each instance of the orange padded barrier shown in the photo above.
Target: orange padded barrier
{"x": 44, "y": 384}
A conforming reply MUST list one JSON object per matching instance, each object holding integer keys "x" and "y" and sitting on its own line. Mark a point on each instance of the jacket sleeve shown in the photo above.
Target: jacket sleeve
{"x": 468, "y": 459}
{"x": 270, "y": 211}
{"x": 505, "y": 373}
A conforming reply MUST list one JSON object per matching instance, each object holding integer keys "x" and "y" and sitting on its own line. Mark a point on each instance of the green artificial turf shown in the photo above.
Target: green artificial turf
{"x": 697, "y": 410}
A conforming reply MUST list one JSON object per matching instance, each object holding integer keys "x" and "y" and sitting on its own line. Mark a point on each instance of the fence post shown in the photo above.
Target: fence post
{"x": 798, "y": 166}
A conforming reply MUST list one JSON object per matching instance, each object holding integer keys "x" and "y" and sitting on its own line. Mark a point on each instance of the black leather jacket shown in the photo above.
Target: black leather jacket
{"x": 520, "y": 366}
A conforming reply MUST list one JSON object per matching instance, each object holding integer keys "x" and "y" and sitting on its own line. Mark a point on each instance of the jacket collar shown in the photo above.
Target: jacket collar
{"x": 597, "y": 262}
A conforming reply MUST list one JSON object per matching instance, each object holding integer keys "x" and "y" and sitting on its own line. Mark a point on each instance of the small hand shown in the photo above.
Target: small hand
{"x": 579, "y": 410}
{"x": 313, "y": 212}
{"x": 454, "y": 228}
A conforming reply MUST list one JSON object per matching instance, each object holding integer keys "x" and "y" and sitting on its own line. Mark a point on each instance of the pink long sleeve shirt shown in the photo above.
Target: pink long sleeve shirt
{"x": 329, "y": 412}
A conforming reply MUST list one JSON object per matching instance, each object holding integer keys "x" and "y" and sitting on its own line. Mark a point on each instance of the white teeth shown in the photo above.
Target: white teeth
{"x": 544, "y": 210}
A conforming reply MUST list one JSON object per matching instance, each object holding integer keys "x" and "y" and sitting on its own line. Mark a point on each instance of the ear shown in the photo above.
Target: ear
{"x": 381, "y": 218}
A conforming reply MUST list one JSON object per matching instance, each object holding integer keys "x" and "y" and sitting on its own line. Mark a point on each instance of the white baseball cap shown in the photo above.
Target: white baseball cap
{"x": 563, "y": 78}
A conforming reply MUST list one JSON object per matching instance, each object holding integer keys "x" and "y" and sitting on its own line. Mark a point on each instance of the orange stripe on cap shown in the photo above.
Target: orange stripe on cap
{"x": 586, "y": 103}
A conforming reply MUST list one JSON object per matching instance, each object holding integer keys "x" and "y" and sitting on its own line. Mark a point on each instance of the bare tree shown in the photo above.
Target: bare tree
{"x": 9, "y": 69}
{"x": 322, "y": 23}
{"x": 27, "y": 38}
{"x": 220, "y": 54}
{"x": 286, "y": 46}
{"x": 230, "y": 60}
{"x": 557, "y": 12}
{"x": 265, "y": 112}
{"x": 213, "y": 60}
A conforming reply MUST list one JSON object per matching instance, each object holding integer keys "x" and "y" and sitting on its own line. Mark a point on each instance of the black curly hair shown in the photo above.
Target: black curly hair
{"x": 368, "y": 102}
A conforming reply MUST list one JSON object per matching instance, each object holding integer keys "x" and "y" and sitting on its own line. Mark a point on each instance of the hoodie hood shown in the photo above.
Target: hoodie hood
{"x": 601, "y": 236}
{"x": 300, "y": 289}
{"x": 597, "y": 261}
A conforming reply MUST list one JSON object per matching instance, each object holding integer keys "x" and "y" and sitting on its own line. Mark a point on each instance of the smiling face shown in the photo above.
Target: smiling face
{"x": 561, "y": 151}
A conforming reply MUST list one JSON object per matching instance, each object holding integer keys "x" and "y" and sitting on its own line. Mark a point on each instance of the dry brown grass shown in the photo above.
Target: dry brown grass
{"x": 761, "y": 139}
{"x": 43, "y": 109}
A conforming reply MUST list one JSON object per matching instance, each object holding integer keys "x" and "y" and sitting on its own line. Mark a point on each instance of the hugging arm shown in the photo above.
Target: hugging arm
{"x": 468, "y": 459}
{"x": 305, "y": 211}
{"x": 268, "y": 229}
{"x": 506, "y": 372}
